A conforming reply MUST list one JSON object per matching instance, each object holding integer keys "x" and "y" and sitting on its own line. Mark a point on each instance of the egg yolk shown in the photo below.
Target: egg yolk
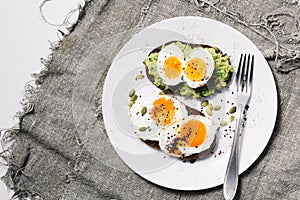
{"x": 194, "y": 132}
{"x": 195, "y": 69}
{"x": 163, "y": 111}
{"x": 172, "y": 67}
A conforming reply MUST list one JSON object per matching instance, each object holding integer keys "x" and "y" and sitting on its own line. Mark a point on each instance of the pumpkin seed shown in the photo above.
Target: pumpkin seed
{"x": 204, "y": 103}
{"x": 231, "y": 118}
{"x": 131, "y": 92}
{"x": 209, "y": 112}
{"x": 232, "y": 109}
{"x": 143, "y": 111}
{"x": 161, "y": 93}
{"x": 210, "y": 106}
{"x": 130, "y": 103}
{"x": 217, "y": 107}
{"x": 223, "y": 123}
{"x": 142, "y": 129}
{"x": 134, "y": 97}
{"x": 140, "y": 76}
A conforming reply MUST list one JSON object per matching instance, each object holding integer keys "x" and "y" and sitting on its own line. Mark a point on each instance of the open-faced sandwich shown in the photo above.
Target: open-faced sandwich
{"x": 188, "y": 69}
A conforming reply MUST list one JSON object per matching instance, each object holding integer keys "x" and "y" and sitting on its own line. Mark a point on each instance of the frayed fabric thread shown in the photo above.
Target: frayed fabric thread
{"x": 286, "y": 60}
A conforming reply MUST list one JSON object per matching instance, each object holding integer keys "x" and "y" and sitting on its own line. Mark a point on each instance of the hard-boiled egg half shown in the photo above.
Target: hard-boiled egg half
{"x": 193, "y": 135}
{"x": 195, "y": 70}
{"x": 161, "y": 111}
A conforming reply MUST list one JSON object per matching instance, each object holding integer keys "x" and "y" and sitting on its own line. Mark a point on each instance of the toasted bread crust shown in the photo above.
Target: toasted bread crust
{"x": 193, "y": 157}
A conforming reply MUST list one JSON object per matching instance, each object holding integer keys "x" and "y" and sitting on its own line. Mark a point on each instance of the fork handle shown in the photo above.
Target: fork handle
{"x": 232, "y": 171}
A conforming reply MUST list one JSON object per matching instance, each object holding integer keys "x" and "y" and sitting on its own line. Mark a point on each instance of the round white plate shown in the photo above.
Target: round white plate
{"x": 165, "y": 170}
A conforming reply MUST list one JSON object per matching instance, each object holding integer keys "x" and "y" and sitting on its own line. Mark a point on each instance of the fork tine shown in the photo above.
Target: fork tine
{"x": 250, "y": 74}
{"x": 242, "y": 74}
{"x": 238, "y": 74}
{"x": 247, "y": 72}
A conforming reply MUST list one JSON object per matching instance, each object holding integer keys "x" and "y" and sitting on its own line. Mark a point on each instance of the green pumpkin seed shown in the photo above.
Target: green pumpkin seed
{"x": 217, "y": 108}
{"x": 131, "y": 92}
{"x": 161, "y": 93}
{"x": 204, "y": 103}
{"x": 143, "y": 111}
{"x": 223, "y": 123}
{"x": 231, "y": 118}
{"x": 134, "y": 97}
{"x": 140, "y": 76}
{"x": 209, "y": 112}
{"x": 232, "y": 109}
{"x": 210, "y": 106}
{"x": 130, "y": 103}
{"x": 142, "y": 129}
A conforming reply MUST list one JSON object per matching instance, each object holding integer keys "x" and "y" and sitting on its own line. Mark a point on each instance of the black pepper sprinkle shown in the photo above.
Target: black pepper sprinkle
{"x": 230, "y": 137}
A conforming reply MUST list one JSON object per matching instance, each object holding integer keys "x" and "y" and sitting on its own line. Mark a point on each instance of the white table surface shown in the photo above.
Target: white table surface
{"x": 24, "y": 40}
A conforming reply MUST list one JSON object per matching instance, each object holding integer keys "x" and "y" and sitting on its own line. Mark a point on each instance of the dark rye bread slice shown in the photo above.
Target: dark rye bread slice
{"x": 158, "y": 49}
{"x": 193, "y": 157}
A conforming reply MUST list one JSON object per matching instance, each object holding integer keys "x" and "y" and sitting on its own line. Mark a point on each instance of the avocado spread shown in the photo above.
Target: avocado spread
{"x": 220, "y": 78}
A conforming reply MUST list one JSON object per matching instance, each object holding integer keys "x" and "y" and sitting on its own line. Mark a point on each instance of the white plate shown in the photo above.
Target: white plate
{"x": 164, "y": 170}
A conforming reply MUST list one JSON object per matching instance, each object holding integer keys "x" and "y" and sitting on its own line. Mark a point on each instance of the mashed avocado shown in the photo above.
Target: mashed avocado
{"x": 219, "y": 79}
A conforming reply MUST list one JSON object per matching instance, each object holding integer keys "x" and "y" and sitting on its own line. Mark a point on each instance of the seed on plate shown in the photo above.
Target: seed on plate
{"x": 142, "y": 129}
{"x": 161, "y": 93}
{"x": 134, "y": 97}
{"x": 204, "y": 103}
{"x": 210, "y": 106}
{"x": 231, "y": 118}
{"x": 209, "y": 112}
{"x": 217, "y": 108}
{"x": 223, "y": 123}
{"x": 130, "y": 103}
{"x": 232, "y": 109}
{"x": 143, "y": 111}
{"x": 140, "y": 76}
{"x": 131, "y": 92}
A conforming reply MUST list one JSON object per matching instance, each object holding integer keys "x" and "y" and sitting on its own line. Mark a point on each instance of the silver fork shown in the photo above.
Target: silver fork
{"x": 243, "y": 84}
